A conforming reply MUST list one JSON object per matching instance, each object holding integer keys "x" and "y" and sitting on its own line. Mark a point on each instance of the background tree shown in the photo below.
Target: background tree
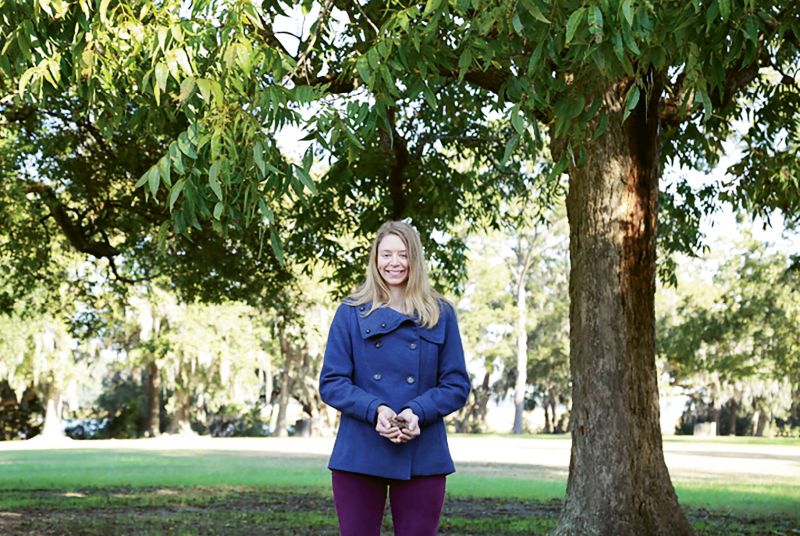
{"x": 738, "y": 345}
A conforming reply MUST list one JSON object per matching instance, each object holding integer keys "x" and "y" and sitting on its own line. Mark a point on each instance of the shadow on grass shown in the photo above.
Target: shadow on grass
{"x": 247, "y": 510}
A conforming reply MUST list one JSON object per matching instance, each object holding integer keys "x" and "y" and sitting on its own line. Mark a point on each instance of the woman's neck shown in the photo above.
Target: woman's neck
{"x": 397, "y": 298}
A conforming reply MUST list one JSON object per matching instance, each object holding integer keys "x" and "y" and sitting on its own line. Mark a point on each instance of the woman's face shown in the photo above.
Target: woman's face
{"x": 393, "y": 260}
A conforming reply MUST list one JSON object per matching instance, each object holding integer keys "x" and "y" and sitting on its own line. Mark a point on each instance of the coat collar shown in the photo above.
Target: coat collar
{"x": 384, "y": 320}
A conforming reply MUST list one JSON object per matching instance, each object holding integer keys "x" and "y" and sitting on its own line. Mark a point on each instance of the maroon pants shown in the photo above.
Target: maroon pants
{"x": 360, "y": 499}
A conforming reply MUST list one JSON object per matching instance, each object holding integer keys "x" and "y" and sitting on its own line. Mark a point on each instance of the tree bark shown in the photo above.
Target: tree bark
{"x": 618, "y": 480}
{"x": 153, "y": 427}
{"x": 522, "y": 342}
{"x": 180, "y": 423}
{"x": 733, "y": 413}
{"x": 285, "y": 386}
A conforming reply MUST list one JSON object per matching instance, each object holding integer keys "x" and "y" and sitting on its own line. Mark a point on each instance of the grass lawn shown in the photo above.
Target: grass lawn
{"x": 115, "y": 491}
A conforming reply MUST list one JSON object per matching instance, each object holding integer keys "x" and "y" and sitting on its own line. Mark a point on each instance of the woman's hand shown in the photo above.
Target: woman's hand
{"x": 411, "y": 428}
{"x": 385, "y": 426}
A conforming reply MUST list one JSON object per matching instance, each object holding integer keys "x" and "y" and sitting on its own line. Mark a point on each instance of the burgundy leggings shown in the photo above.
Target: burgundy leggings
{"x": 360, "y": 499}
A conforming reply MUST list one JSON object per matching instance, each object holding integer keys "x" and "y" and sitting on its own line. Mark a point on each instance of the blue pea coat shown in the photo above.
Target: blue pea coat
{"x": 387, "y": 358}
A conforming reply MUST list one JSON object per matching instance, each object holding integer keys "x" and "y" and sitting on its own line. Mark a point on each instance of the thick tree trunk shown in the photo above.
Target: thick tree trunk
{"x": 522, "y": 344}
{"x": 618, "y": 480}
{"x": 153, "y": 426}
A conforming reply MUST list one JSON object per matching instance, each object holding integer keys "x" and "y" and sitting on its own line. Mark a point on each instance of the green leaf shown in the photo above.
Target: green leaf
{"x": 25, "y": 79}
{"x": 630, "y": 42}
{"x": 218, "y": 210}
{"x": 183, "y": 61}
{"x": 511, "y": 144}
{"x": 162, "y": 74}
{"x": 258, "y": 156}
{"x": 205, "y": 89}
{"x": 595, "y": 20}
{"x": 187, "y": 86}
{"x": 516, "y": 23}
{"x": 164, "y": 170}
{"x": 308, "y": 158}
{"x": 430, "y": 98}
{"x": 627, "y": 11}
{"x": 464, "y": 62}
{"x": 153, "y": 179}
{"x": 276, "y": 246}
{"x": 104, "y": 11}
{"x": 631, "y": 100}
{"x": 162, "y": 37}
{"x": 573, "y": 22}
{"x": 305, "y": 178}
{"x": 517, "y": 121}
{"x": 262, "y": 206}
{"x": 303, "y": 94}
{"x": 213, "y": 182}
{"x": 175, "y": 192}
{"x": 725, "y": 9}
{"x": 534, "y": 10}
{"x": 431, "y": 6}
{"x": 142, "y": 180}
{"x": 362, "y": 65}
{"x": 186, "y": 146}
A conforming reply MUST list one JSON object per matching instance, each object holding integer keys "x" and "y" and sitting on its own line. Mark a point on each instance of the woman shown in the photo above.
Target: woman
{"x": 394, "y": 367}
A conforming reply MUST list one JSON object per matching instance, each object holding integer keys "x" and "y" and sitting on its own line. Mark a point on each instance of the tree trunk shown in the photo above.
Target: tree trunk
{"x": 733, "y": 412}
{"x": 761, "y": 423}
{"x": 618, "y": 480}
{"x": 548, "y": 425}
{"x": 153, "y": 426}
{"x": 522, "y": 341}
{"x": 180, "y": 423}
{"x": 52, "y": 416}
{"x": 550, "y": 403}
{"x": 285, "y": 388}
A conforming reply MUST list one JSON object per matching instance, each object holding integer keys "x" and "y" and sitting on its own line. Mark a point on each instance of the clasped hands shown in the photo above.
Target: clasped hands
{"x": 397, "y": 427}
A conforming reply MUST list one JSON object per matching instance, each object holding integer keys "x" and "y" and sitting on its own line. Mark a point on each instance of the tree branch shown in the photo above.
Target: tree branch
{"x": 72, "y": 230}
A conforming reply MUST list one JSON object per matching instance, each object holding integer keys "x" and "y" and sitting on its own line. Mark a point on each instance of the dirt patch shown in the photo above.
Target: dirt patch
{"x": 246, "y": 511}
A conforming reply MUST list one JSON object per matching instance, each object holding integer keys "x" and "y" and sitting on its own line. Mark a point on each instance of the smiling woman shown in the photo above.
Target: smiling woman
{"x": 394, "y": 366}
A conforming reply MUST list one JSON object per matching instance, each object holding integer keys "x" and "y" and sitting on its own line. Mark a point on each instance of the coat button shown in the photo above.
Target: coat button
{"x": 368, "y": 330}
{"x": 376, "y": 376}
{"x": 410, "y": 379}
{"x": 383, "y": 324}
{"x": 413, "y": 346}
{"x": 361, "y": 308}
{"x": 378, "y": 344}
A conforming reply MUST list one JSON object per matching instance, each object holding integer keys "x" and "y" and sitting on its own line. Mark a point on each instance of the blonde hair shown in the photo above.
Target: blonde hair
{"x": 420, "y": 299}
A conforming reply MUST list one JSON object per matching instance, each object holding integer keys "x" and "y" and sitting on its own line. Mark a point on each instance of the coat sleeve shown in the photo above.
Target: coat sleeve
{"x": 336, "y": 385}
{"x": 453, "y": 385}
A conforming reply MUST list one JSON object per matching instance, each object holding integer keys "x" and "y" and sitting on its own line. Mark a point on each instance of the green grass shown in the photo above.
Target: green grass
{"x": 75, "y": 469}
{"x": 121, "y": 491}
{"x": 725, "y": 440}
